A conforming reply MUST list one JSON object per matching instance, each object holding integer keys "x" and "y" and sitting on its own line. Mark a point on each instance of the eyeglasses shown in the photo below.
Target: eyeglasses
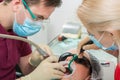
{"x": 34, "y": 17}
{"x": 27, "y": 7}
{"x": 84, "y": 61}
{"x": 64, "y": 56}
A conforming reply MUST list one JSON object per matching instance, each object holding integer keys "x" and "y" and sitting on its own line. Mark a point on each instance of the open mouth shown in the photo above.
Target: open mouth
{"x": 68, "y": 72}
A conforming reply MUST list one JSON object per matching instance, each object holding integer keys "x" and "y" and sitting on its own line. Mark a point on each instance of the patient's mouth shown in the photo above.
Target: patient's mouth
{"x": 67, "y": 71}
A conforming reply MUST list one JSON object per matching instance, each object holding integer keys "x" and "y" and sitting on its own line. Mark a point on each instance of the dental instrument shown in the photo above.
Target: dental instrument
{"x": 41, "y": 52}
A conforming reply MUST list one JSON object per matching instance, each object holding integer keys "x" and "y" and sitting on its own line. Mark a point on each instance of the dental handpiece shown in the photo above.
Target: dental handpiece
{"x": 41, "y": 52}
{"x": 89, "y": 42}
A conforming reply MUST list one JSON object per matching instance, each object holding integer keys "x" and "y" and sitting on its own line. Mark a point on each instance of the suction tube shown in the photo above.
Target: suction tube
{"x": 41, "y": 52}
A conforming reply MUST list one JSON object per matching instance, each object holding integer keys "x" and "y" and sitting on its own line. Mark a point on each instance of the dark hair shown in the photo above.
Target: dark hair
{"x": 84, "y": 61}
{"x": 48, "y": 3}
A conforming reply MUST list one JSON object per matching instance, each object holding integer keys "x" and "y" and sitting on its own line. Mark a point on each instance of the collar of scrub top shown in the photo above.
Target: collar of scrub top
{"x": 64, "y": 56}
{"x": 27, "y": 7}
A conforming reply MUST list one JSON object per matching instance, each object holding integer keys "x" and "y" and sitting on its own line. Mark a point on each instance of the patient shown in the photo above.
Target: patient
{"x": 87, "y": 68}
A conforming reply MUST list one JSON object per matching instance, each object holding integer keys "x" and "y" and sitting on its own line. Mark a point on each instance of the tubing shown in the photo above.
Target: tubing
{"x": 42, "y": 52}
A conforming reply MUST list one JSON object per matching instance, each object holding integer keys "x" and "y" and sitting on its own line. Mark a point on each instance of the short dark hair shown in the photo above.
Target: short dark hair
{"x": 48, "y": 3}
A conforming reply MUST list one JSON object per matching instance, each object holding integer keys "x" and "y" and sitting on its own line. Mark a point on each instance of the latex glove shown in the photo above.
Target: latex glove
{"x": 36, "y": 58}
{"x": 47, "y": 70}
{"x": 86, "y": 47}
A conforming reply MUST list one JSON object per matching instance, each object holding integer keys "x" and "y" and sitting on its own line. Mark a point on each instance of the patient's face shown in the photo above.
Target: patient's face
{"x": 81, "y": 72}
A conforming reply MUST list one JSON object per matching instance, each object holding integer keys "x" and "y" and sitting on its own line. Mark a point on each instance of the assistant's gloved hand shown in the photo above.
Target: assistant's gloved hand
{"x": 82, "y": 43}
{"x": 47, "y": 70}
{"x": 36, "y": 58}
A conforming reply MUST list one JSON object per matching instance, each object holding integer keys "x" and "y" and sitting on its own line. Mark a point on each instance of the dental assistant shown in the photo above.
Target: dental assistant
{"x": 101, "y": 18}
{"x": 23, "y": 18}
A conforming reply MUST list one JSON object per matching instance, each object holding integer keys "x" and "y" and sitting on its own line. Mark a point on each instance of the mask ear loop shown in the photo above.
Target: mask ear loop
{"x": 113, "y": 43}
{"x": 16, "y": 20}
{"x": 24, "y": 11}
{"x": 15, "y": 17}
{"x": 101, "y": 36}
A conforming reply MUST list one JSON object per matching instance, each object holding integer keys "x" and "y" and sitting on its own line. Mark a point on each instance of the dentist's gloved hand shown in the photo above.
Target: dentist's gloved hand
{"x": 47, "y": 70}
{"x": 36, "y": 58}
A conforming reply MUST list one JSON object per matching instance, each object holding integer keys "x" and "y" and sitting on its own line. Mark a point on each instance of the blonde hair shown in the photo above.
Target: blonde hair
{"x": 99, "y": 13}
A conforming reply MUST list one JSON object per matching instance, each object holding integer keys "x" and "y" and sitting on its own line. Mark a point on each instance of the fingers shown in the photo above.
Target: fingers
{"x": 52, "y": 59}
{"x": 54, "y": 63}
{"x": 56, "y": 77}
{"x": 81, "y": 43}
{"x": 91, "y": 46}
{"x": 59, "y": 67}
{"x": 57, "y": 72}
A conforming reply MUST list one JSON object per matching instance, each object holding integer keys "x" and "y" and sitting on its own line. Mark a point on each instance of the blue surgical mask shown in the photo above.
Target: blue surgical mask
{"x": 98, "y": 44}
{"x": 28, "y": 28}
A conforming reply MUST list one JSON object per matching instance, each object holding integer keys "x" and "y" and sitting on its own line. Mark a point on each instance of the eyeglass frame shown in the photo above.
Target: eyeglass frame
{"x": 29, "y": 10}
{"x": 86, "y": 63}
{"x": 34, "y": 17}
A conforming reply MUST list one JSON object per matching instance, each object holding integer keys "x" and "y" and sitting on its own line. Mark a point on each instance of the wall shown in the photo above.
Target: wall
{"x": 66, "y": 12}
{"x": 40, "y": 37}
